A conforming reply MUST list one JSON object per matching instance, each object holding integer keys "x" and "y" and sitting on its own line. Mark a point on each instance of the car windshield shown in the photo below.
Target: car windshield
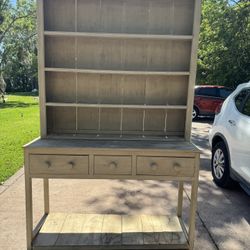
{"x": 224, "y": 92}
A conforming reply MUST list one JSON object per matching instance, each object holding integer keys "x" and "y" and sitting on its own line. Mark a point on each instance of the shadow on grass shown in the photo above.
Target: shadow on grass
{"x": 23, "y": 94}
{"x": 16, "y": 104}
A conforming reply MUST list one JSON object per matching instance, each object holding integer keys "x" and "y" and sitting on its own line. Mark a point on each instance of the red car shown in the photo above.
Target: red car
{"x": 207, "y": 98}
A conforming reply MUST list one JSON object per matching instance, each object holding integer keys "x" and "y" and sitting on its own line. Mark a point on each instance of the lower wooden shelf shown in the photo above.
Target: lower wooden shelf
{"x": 105, "y": 231}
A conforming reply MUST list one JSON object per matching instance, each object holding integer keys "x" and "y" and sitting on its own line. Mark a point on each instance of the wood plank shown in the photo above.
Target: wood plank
{"x": 46, "y": 195}
{"x": 162, "y": 230}
{"x": 71, "y": 230}
{"x": 41, "y": 65}
{"x": 51, "y": 229}
{"x": 28, "y": 201}
{"x": 91, "y": 231}
{"x": 154, "y": 148}
{"x": 111, "y": 230}
{"x": 131, "y": 230}
{"x": 173, "y": 233}
{"x": 59, "y": 15}
{"x": 118, "y": 35}
{"x": 148, "y": 231}
{"x": 192, "y": 70}
{"x": 88, "y": 105}
{"x": 123, "y": 72}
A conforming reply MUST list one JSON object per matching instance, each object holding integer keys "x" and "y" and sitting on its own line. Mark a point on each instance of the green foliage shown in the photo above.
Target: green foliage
{"x": 224, "y": 50}
{"x": 19, "y": 119}
{"x": 18, "y": 45}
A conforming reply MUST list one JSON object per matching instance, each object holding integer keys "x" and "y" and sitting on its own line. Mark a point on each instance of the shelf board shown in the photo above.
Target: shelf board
{"x": 117, "y": 72}
{"x": 125, "y": 106}
{"x": 107, "y": 231}
{"x": 119, "y": 35}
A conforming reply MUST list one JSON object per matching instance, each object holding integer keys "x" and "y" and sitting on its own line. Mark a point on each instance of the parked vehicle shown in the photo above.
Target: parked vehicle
{"x": 230, "y": 140}
{"x": 207, "y": 98}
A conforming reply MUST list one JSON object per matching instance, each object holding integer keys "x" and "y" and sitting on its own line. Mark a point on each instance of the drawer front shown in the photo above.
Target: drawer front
{"x": 113, "y": 165}
{"x": 59, "y": 164}
{"x": 170, "y": 166}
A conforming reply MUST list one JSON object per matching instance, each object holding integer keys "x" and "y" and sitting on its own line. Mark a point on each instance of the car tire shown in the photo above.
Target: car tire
{"x": 195, "y": 113}
{"x": 220, "y": 166}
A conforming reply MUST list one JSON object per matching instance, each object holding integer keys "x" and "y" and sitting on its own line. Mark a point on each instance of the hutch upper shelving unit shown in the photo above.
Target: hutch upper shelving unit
{"x": 116, "y": 86}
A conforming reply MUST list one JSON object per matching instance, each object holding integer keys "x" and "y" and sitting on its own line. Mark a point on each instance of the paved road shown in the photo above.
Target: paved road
{"x": 222, "y": 220}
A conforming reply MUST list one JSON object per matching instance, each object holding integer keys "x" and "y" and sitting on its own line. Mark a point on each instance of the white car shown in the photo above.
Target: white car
{"x": 229, "y": 139}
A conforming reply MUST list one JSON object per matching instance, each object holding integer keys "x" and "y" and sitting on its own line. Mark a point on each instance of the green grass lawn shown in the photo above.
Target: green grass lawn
{"x": 19, "y": 124}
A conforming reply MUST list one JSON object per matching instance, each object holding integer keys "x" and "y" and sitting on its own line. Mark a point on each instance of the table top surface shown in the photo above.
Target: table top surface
{"x": 112, "y": 144}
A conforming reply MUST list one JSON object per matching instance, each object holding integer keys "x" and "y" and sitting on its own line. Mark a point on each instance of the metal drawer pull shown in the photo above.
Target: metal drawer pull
{"x": 113, "y": 165}
{"x": 48, "y": 163}
{"x": 177, "y": 167}
{"x": 72, "y": 164}
{"x": 153, "y": 165}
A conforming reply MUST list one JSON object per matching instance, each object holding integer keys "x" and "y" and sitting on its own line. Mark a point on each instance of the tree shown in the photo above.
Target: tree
{"x": 224, "y": 50}
{"x": 18, "y": 60}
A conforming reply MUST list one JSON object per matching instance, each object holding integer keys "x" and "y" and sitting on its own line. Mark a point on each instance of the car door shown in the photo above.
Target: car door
{"x": 238, "y": 125}
{"x": 209, "y": 100}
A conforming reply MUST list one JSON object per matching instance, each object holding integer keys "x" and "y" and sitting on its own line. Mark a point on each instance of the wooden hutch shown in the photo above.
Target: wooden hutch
{"x": 116, "y": 87}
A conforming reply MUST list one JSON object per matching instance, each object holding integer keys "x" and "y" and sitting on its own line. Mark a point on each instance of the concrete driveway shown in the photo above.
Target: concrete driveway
{"x": 222, "y": 220}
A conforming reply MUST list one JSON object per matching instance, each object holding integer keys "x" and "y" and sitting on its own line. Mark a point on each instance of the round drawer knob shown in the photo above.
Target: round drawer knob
{"x": 177, "y": 167}
{"x": 153, "y": 166}
{"x": 48, "y": 164}
{"x": 72, "y": 164}
{"x": 113, "y": 165}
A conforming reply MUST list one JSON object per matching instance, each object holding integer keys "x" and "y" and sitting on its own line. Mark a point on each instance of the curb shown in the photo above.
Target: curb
{"x": 9, "y": 182}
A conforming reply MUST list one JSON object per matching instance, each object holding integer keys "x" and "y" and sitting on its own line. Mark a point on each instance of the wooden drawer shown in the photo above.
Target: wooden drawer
{"x": 113, "y": 165}
{"x": 171, "y": 166}
{"x": 59, "y": 164}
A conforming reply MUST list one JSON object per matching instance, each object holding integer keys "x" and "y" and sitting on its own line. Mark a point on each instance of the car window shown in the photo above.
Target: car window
{"x": 224, "y": 93}
{"x": 240, "y": 98}
{"x": 246, "y": 107}
{"x": 196, "y": 91}
{"x": 208, "y": 91}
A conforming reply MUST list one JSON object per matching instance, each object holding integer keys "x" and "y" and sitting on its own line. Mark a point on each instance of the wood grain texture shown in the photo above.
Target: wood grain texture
{"x": 92, "y": 231}
{"x": 112, "y": 165}
{"x": 111, "y": 230}
{"x": 119, "y": 76}
{"x": 179, "y": 147}
{"x": 119, "y": 43}
{"x": 118, "y": 35}
{"x": 193, "y": 67}
{"x": 51, "y": 229}
{"x": 41, "y": 65}
{"x": 132, "y": 230}
{"x": 71, "y": 230}
{"x": 117, "y": 72}
{"x": 165, "y": 166}
{"x": 63, "y": 164}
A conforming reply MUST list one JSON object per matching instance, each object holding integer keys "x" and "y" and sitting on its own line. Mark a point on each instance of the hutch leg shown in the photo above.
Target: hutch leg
{"x": 46, "y": 195}
{"x": 191, "y": 233}
{"x": 180, "y": 199}
{"x": 29, "y": 211}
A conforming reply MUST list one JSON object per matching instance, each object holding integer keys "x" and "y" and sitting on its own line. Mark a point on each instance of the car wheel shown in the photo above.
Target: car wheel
{"x": 220, "y": 166}
{"x": 195, "y": 113}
